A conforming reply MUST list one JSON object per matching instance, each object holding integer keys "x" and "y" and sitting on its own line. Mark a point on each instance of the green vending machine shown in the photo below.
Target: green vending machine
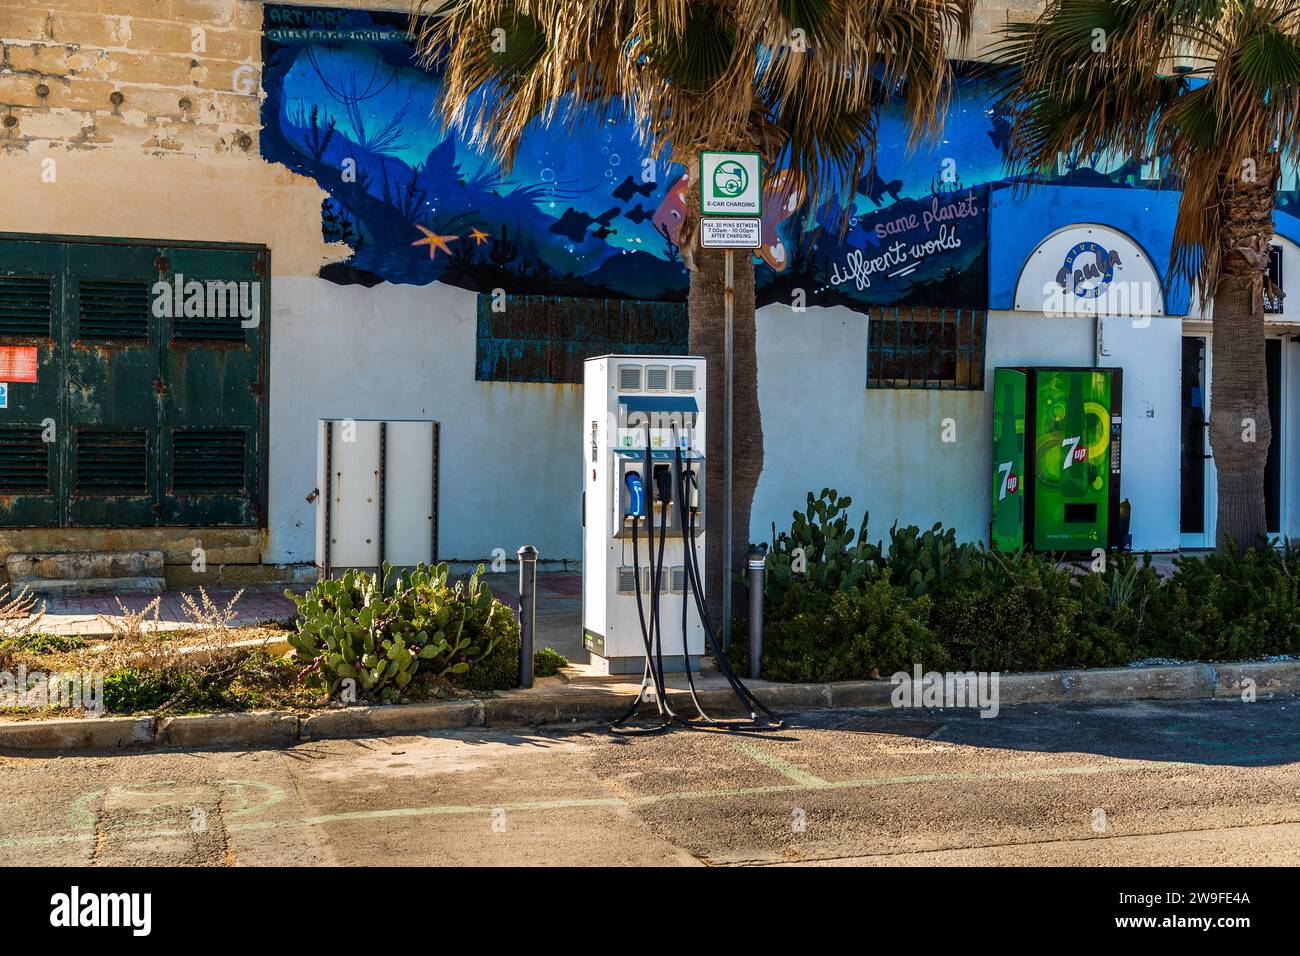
{"x": 1056, "y": 459}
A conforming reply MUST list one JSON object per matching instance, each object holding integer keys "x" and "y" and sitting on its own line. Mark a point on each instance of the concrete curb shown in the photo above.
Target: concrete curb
{"x": 554, "y": 702}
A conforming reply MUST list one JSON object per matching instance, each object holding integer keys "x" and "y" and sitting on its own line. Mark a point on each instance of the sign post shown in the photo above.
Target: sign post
{"x": 731, "y": 200}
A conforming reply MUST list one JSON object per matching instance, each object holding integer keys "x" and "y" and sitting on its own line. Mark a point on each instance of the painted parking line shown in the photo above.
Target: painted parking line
{"x": 804, "y": 784}
{"x": 789, "y": 771}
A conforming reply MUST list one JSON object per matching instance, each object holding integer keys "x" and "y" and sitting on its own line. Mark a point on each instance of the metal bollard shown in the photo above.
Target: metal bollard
{"x": 527, "y": 612}
{"x": 757, "y": 562}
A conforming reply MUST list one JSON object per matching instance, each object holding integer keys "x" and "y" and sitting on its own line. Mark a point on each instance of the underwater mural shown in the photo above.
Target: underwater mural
{"x": 587, "y": 215}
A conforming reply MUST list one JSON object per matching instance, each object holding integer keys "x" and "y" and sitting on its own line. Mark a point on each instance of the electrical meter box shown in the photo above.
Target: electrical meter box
{"x": 1056, "y": 459}
{"x": 376, "y": 494}
{"x": 627, "y": 398}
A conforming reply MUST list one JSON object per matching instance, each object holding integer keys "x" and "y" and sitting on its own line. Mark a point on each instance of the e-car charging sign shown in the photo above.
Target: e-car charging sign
{"x": 730, "y": 184}
{"x": 4, "y": 394}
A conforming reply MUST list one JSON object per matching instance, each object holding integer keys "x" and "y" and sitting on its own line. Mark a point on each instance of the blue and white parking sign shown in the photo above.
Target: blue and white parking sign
{"x": 4, "y": 394}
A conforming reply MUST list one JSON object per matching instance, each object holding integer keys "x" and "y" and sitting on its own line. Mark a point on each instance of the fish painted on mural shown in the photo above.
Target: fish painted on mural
{"x": 603, "y": 233}
{"x": 671, "y": 213}
{"x": 630, "y": 187}
{"x": 574, "y": 224}
{"x": 638, "y": 214}
{"x": 780, "y": 199}
{"x": 874, "y": 188}
{"x": 1000, "y": 134}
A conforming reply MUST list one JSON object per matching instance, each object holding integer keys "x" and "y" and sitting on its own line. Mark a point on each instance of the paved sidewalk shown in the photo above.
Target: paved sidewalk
{"x": 559, "y": 609}
{"x": 83, "y": 614}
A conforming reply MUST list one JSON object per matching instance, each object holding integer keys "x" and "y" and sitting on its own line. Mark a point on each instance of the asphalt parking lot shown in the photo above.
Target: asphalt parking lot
{"x": 1154, "y": 783}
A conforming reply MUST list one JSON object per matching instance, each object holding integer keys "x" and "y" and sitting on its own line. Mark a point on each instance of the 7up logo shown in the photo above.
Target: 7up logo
{"x": 1010, "y": 482}
{"x": 1074, "y": 451}
{"x": 729, "y": 180}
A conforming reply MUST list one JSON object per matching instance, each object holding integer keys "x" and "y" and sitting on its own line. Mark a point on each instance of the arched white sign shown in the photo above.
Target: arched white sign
{"x": 1089, "y": 270}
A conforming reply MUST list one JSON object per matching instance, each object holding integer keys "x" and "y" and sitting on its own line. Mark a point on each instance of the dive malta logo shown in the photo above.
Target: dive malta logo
{"x": 1088, "y": 270}
{"x": 75, "y": 908}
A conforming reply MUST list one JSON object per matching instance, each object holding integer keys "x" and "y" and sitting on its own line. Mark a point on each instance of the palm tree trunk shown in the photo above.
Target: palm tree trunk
{"x": 707, "y": 338}
{"x": 1240, "y": 430}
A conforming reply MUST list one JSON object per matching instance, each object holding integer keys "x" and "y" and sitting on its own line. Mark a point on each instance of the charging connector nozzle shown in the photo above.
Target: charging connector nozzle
{"x": 636, "y": 494}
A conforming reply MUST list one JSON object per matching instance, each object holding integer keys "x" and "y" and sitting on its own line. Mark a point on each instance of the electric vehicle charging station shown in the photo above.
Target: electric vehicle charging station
{"x": 643, "y": 512}
{"x": 625, "y": 399}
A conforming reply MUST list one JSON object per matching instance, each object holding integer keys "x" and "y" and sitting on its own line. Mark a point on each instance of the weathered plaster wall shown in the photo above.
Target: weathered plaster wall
{"x": 175, "y": 156}
{"x": 511, "y": 452}
{"x": 113, "y": 123}
{"x": 885, "y": 447}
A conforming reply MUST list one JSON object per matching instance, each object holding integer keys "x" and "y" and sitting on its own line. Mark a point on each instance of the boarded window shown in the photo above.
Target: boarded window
{"x": 546, "y": 338}
{"x": 926, "y": 348}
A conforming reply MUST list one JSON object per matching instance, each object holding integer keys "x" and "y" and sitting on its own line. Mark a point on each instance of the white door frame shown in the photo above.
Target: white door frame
{"x": 1280, "y": 439}
{"x": 1204, "y": 539}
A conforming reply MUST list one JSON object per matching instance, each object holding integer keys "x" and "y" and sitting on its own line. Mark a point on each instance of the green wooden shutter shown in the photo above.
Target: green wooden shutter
{"x": 158, "y": 415}
{"x": 31, "y": 290}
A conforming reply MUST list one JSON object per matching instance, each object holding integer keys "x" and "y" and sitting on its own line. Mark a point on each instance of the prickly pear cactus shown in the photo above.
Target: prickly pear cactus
{"x": 381, "y": 631}
{"x": 926, "y": 562}
{"x": 821, "y": 548}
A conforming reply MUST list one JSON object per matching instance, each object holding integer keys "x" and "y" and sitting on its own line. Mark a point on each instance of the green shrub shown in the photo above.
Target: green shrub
{"x": 42, "y": 643}
{"x": 848, "y": 634}
{"x": 1231, "y": 606}
{"x": 382, "y": 633}
{"x": 1018, "y": 616}
{"x": 1117, "y": 620}
{"x": 989, "y": 611}
{"x": 132, "y": 689}
{"x": 499, "y": 668}
{"x": 548, "y": 661}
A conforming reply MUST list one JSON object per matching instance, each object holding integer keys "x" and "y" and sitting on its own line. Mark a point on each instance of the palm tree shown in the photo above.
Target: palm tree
{"x": 1214, "y": 86}
{"x": 799, "y": 81}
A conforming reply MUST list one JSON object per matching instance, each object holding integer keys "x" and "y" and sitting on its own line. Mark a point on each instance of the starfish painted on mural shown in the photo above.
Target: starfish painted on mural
{"x": 434, "y": 242}
{"x": 478, "y": 235}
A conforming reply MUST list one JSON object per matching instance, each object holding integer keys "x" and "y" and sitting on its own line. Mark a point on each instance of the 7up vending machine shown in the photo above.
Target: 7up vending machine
{"x": 1056, "y": 459}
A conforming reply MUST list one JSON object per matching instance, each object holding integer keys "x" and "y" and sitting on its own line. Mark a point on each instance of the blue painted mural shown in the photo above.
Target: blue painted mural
{"x": 587, "y": 215}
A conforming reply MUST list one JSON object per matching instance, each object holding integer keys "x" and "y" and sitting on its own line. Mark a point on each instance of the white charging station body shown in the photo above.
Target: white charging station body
{"x": 622, "y": 394}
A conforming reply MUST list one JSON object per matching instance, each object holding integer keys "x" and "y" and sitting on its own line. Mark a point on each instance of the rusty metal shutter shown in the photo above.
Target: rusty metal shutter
{"x": 140, "y": 415}
{"x": 26, "y": 306}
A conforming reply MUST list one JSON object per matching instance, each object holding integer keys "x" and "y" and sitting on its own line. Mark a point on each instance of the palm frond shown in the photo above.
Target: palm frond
{"x": 1212, "y": 85}
{"x": 804, "y": 79}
